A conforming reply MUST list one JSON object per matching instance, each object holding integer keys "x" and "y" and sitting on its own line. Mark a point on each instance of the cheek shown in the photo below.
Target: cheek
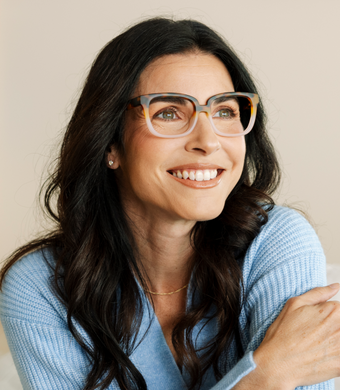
{"x": 235, "y": 149}
{"x": 236, "y": 154}
{"x": 145, "y": 151}
{"x": 142, "y": 163}
{"x": 240, "y": 158}
{"x": 145, "y": 154}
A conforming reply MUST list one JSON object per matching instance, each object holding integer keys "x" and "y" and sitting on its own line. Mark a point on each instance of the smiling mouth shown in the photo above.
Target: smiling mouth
{"x": 196, "y": 174}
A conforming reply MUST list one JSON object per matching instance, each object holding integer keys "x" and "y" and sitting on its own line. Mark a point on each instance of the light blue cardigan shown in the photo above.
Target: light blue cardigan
{"x": 284, "y": 260}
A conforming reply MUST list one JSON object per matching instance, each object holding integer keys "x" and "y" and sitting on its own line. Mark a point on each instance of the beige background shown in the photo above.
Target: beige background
{"x": 291, "y": 47}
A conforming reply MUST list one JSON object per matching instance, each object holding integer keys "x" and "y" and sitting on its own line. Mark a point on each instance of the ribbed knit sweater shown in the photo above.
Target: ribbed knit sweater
{"x": 284, "y": 260}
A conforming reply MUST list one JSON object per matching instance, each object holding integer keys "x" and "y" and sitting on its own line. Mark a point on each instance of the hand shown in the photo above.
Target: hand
{"x": 302, "y": 346}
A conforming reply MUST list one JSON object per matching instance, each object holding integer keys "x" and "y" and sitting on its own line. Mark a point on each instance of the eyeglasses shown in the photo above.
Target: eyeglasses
{"x": 173, "y": 115}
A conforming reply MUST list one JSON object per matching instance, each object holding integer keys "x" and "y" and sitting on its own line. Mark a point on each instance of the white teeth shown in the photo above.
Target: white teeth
{"x": 213, "y": 173}
{"x": 206, "y": 175}
{"x": 199, "y": 175}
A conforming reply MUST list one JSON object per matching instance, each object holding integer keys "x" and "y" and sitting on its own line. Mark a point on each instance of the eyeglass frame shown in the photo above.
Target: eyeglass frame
{"x": 144, "y": 101}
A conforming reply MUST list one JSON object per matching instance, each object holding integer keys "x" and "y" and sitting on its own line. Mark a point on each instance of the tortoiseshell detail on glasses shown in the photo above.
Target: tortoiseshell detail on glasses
{"x": 145, "y": 100}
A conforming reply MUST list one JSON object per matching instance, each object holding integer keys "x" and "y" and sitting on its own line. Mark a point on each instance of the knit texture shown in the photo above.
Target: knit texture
{"x": 284, "y": 260}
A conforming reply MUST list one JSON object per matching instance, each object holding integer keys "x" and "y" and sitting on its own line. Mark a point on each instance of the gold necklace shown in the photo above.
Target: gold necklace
{"x": 170, "y": 293}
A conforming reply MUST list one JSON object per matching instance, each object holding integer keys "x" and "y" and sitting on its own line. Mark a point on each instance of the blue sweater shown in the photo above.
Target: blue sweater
{"x": 285, "y": 260}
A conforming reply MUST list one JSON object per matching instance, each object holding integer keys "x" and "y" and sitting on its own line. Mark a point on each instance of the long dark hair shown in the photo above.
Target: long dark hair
{"x": 93, "y": 247}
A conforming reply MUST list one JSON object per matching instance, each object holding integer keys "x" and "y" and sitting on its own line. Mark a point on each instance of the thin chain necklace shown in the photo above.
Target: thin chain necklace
{"x": 170, "y": 293}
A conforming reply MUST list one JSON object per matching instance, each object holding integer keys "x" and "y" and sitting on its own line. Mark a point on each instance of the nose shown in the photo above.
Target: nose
{"x": 203, "y": 138}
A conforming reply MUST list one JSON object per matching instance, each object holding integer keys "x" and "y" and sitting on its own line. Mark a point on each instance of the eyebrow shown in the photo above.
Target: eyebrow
{"x": 225, "y": 98}
{"x": 170, "y": 99}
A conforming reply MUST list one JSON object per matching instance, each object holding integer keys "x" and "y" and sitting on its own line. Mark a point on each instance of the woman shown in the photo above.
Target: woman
{"x": 169, "y": 260}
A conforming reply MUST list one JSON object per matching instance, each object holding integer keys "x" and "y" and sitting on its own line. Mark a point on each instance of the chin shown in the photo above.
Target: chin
{"x": 203, "y": 215}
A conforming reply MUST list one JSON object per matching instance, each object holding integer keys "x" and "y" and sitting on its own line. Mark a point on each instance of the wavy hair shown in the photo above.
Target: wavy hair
{"x": 93, "y": 246}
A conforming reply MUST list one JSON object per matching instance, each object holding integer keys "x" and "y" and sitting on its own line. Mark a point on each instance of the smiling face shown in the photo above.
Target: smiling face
{"x": 145, "y": 172}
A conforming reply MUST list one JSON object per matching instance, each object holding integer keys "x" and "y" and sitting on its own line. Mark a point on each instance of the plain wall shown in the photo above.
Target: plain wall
{"x": 291, "y": 48}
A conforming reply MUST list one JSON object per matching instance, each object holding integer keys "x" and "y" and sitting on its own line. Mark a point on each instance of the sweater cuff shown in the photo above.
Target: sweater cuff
{"x": 242, "y": 368}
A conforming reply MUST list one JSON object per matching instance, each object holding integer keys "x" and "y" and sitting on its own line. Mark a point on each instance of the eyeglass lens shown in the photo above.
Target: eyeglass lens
{"x": 174, "y": 115}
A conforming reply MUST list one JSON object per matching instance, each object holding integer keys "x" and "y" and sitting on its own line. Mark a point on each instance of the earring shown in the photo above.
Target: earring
{"x": 110, "y": 162}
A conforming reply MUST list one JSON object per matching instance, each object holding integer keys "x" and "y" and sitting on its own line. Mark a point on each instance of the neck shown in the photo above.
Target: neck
{"x": 165, "y": 251}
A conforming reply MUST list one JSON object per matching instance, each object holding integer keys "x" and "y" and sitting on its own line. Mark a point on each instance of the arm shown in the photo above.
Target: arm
{"x": 285, "y": 260}
{"x": 44, "y": 351}
{"x": 45, "y": 357}
{"x": 258, "y": 379}
{"x": 247, "y": 374}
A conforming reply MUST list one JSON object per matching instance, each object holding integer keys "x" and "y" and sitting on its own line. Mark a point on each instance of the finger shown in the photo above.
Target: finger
{"x": 317, "y": 295}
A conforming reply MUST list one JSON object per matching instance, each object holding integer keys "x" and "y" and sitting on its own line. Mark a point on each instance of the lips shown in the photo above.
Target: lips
{"x": 196, "y": 166}
{"x": 197, "y": 175}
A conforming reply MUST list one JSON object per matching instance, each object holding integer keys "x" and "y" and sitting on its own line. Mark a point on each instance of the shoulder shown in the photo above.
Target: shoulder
{"x": 35, "y": 323}
{"x": 284, "y": 260}
{"x": 287, "y": 226}
{"x": 26, "y": 292}
{"x": 286, "y": 240}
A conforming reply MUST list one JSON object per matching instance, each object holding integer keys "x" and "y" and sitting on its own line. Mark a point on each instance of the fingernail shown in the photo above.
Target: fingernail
{"x": 334, "y": 285}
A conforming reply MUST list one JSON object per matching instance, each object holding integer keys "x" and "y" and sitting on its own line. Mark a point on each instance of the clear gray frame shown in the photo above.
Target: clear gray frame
{"x": 144, "y": 101}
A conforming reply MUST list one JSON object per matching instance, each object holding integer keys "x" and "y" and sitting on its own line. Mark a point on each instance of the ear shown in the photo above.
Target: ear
{"x": 112, "y": 158}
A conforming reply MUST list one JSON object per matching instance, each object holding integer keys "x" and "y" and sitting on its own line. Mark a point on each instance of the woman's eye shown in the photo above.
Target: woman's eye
{"x": 224, "y": 113}
{"x": 167, "y": 115}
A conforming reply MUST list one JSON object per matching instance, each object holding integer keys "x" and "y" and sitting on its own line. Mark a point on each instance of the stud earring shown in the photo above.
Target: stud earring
{"x": 110, "y": 162}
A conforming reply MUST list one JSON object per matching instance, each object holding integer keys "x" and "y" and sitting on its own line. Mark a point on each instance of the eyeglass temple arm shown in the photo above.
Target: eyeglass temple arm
{"x": 133, "y": 103}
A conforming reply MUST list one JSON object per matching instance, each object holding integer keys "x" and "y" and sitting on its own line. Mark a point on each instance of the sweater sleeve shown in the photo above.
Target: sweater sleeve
{"x": 44, "y": 351}
{"x": 285, "y": 260}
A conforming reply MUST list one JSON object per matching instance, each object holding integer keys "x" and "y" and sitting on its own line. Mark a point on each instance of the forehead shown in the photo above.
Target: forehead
{"x": 197, "y": 74}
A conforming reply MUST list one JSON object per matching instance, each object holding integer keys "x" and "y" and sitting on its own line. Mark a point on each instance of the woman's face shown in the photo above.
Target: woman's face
{"x": 145, "y": 170}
